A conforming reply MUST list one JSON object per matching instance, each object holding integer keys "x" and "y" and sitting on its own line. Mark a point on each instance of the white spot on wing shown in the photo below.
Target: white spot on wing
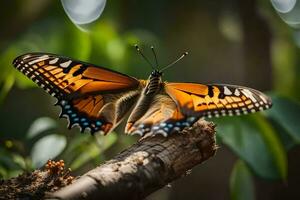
{"x": 25, "y": 57}
{"x": 263, "y": 98}
{"x": 249, "y": 94}
{"x": 42, "y": 58}
{"x": 137, "y": 132}
{"x": 237, "y": 92}
{"x": 227, "y": 91}
{"x": 53, "y": 61}
{"x": 66, "y": 64}
{"x": 163, "y": 133}
{"x": 176, "y": 128}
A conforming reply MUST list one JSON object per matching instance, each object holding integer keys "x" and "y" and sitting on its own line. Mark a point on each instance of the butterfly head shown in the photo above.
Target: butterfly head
{"x": 156, "y": 73}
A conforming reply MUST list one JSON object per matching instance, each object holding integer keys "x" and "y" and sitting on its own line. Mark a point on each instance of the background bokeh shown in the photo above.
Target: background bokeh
{"x": 253, "y": 43}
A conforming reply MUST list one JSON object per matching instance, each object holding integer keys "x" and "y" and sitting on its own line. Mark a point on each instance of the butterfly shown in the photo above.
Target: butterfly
{"x": 98, "y": 98}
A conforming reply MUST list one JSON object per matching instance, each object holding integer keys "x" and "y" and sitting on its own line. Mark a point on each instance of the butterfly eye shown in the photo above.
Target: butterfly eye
{"x": 156, "y": 73}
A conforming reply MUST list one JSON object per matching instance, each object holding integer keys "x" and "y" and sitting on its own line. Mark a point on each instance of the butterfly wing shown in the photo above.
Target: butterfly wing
{"x": 90, "y": 96}
{"x": 162, "y": 117}
{"x": 180, "y": 105}
{"x": 216, "y": 100}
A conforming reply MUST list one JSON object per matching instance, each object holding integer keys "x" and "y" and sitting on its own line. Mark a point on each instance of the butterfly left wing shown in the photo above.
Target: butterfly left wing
{"x": 216, "y": 100}
{"x": 90, "y": 96}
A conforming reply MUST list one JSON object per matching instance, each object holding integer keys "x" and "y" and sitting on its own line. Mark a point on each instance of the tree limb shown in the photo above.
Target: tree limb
{"x": 145, "y": 167}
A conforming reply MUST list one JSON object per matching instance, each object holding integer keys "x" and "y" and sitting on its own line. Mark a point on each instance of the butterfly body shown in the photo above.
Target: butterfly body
{"x": 98, "y": 99}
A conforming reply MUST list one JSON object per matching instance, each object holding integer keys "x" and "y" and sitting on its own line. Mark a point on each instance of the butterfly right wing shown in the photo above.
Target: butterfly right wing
{"x": 162, "y": 117}
{"x": 216, "y": 100}
{"x": 180, "y": 105}
{"x": 92, "y": 97}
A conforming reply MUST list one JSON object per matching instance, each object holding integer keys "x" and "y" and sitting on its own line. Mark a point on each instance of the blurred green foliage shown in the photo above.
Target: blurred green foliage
{"x": 255, "y": 141}
{"x": 241, "y": 183}
{"x": 261, "y": 141}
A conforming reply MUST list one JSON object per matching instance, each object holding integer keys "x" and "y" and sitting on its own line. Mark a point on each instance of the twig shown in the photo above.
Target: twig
{"x": 145, "y": 167}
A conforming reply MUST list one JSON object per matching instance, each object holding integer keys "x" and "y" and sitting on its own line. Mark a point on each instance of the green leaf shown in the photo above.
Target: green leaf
{"x": 40, "y": 125}
{"x": 46, "y": 148}
{"x": 253, "y": 139}
{"x": 286, "y": 139}
{"x": 6, "y": 160}
{"x": 241, "y": 182}
{"x": 93, "y": 150}
{"x": 79, "y": 43}
{"x": 7, "y": 85}
{"x": 3, "y": 173}
{"x": 286, "y": 113}
{"x": 6, "y": 59}
{"x": 104, "y": 142}
{"x": 19, "y": 160}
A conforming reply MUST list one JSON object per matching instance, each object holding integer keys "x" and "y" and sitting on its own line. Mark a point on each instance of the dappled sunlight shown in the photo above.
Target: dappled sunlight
{"x": 83, "y": 12}
{"x": 289, "y": 11}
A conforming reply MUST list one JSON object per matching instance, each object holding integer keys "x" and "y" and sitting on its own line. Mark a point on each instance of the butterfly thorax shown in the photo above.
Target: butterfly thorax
{"x": 154, "y": 83}
{"x": 153, "y": 87}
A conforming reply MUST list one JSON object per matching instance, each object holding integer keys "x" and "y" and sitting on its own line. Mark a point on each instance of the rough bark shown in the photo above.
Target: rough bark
{"x": 145, "y": 167}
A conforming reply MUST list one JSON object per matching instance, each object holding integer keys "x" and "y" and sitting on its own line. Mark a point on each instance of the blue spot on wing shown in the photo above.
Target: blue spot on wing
{"x": 76, "y": 118}
{"x": 166, "y": 127}
{"x": 171, "y": 126}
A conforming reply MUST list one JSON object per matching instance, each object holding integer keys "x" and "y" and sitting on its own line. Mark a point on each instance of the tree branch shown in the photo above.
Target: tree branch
{"x": 145, "y": 167}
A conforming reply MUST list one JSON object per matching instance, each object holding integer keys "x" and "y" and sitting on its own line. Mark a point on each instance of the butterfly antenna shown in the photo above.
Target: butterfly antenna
{"x": 173, "y": 63}
{"x": 141, "y": 53}
{"x": 154, "y": 53}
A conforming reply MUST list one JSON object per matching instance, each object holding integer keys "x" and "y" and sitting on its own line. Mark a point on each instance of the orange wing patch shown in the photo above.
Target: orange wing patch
{"x": 61, "y": 76}
{"x": 190, "y": 88}
{"x": 183, "y": 98}
{"x": 90, "y": 105}
{"x": 216, "y": 100}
